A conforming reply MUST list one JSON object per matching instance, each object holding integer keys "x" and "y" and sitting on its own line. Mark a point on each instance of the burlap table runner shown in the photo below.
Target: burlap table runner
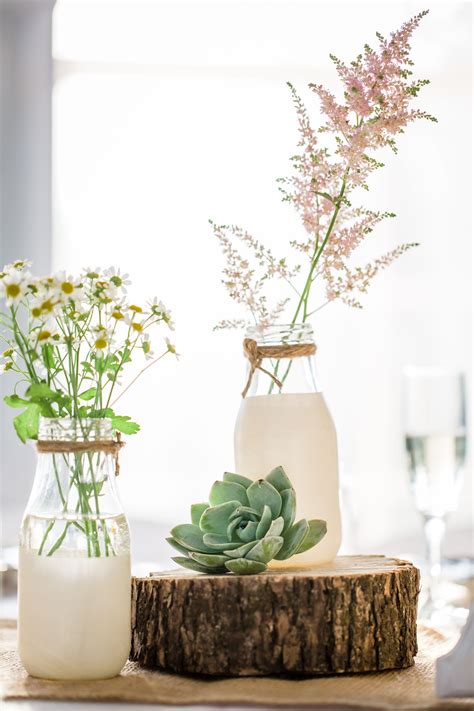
{"x": 409, "y": 689}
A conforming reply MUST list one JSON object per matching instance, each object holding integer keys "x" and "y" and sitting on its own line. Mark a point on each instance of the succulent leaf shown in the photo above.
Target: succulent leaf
{"x": 317, "y": 531}
{"x": 216, "y": 542}
{"x": 243, "y": 566}
{"x": 215, "y": 518}
{"x": 192, "y": 565}
{"x": 265, "y": 550}
{"x": 276, "y": 527}
{"x": 238, "y": 479}
{"x": 241, "y": 551}
{"x": 288, "y": 508}
{"x": 247, "y": 512}
{"x": 224, "y": 491}
{"x": 248, "y": 533}
{"x": 209, "y": 560}
{"x": 197, "y": 511}
{"x": 278, "y": 479}
{"x": 293, "y": 538}
{"x": 177, "y": 546}
{"x": 265, "y": 522}
{"x": 262, "y": 493}
{"x": 232, "y": 527}
{"x": 190, "y": 537}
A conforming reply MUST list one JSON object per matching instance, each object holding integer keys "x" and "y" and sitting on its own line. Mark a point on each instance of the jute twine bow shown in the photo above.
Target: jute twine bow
{"x": 108, "y": 446}
{"x": 255, "y": 355}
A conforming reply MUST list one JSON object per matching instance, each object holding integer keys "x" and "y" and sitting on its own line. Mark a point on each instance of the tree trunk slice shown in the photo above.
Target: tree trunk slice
{"x": 356, "y": 614}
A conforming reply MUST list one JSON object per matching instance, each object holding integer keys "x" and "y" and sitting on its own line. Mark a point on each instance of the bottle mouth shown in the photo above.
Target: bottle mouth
{"x": 285, "y": 333}
{"x": 70, "y": 429}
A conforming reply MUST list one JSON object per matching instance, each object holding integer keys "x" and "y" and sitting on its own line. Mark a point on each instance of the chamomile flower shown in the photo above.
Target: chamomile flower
{"x": 136, "y": 309}
{"x": 12, "y": 286}
{"x": 158, "y": 308}
{"x": 120, "y": 281}
{"x": 7, "y": 365}
{"x": 68, "y": 287}
{"x": 101, "y": 340}
{"x": 146, "y": 347}
{"x": 19, "y": 265}
{"x": 170, "y": 347}
{"x": 46, "y": 333}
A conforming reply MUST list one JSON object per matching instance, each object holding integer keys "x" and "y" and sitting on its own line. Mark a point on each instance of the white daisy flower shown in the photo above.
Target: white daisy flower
{"x": 146, "y": 347}
{"x": 119, "y": 280}
{"x": 68, "y": 287}
{"x": 12, "y": 286}
{"x": 7, "y": 365}
{"x": 171, "y": 348}
{"x": 101, "y": 340}
{"x": 158, "y": 308}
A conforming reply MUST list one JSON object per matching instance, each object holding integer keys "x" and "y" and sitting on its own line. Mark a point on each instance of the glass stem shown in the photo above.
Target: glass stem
{"x": 434, "y": 533}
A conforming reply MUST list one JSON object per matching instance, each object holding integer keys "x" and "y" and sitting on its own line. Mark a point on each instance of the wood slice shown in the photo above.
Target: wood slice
{"x": 356, "y": 614}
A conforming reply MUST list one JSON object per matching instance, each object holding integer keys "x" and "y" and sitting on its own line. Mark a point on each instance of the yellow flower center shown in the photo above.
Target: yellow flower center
{"x": 137, "y": 327}
{"x": 137, "y": 309}
{"x": 36, "y": 312}
{"x": 67, "y": 287}
{"x": 13, "y": 290}
{"x": 117, "y": 315}
{"x": 101, "y": 343}
{"x": 47, "y": 305}
{"x": 44, "y": 335}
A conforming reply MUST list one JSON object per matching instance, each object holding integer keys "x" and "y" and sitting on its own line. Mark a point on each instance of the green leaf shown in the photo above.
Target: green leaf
{"x": 197, "y": 511}
{"x": 177, "y": 546}
{"x": 41, "y": 391}
{"x": 192, "y": 565}
{"x": 265, "y": 522}
{"x": 245, "y": 512}
{"x": 249, "y": 533}
{"x": 261, "y": 492}
{"x": 266, "y": 549}
{"x": 123, "y": 423}
{"x": 223, "y": 491}
{"x": 243, "y": 566}
{"x": 88, "y": 394}
{"x": 278, "y": 479}
{"x": 209, "y": 560}
{"x": 15, "y": 401}
{"x": 293, "y": 539}
{"x": 48, "y": 356}
{"x": 190, "y": 537}
{"x": 241, "y": 551}
{"x": 288, "y": 508}
{"x": 217, "y": 542}
{"x": 216, "y": 518}
{"x": 26, "y": 425}
{"x": 237, "y": 479}
{"x": 317, "y": 531}
{"x": 276, "y": 527}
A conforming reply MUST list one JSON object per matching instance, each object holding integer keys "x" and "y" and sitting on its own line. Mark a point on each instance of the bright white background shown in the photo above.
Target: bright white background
{"x": 166, "y": 114}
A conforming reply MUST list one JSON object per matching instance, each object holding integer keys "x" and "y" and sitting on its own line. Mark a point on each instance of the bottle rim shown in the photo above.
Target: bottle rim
{"x": 71, "y": 429}
{"x": 284, "y": 333}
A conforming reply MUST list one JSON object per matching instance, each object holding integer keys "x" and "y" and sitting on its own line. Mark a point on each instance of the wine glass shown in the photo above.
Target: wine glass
{"x": 435, "y": 440}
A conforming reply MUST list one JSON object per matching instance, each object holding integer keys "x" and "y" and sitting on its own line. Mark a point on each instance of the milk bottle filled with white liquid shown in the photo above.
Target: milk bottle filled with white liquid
{"x": 74, "y": 593}
{"x": 284, "y": 420}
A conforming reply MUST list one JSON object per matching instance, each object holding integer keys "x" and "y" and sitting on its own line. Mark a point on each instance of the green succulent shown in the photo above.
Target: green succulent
{"x": 244, "y": 526}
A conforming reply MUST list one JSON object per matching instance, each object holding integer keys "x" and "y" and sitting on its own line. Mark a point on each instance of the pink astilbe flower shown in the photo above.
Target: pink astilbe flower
{"x": 331, "y": 163}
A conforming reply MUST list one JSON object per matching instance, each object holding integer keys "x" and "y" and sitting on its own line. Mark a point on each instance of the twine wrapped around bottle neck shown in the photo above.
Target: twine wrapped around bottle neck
{"x": 255, "y": 355}
{"x": 107, "y": 446}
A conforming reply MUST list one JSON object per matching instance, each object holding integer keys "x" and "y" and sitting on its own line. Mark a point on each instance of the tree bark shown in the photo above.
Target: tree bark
{"x": 356, "y": 614}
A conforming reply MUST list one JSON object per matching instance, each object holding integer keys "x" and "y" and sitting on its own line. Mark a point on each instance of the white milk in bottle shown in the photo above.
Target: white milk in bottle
{"x": 292, "y": 427}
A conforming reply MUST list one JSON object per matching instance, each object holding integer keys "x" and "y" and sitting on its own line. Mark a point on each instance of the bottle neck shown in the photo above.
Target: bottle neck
{"x": 287, "y": 353}
{"x": 77, "y": 481}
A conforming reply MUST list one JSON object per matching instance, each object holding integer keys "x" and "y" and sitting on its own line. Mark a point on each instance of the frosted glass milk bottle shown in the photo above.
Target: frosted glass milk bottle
{"x": 74, "y": 596}
{"x": 292, "y": 427}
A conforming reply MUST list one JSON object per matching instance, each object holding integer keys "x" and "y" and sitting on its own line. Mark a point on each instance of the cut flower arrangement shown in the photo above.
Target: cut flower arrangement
{"x": 69, "y": 340}
{"x": 331, "y": 171}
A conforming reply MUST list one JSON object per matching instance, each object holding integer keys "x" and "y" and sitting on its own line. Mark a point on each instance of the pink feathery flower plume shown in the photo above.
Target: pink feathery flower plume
{"x": 331, "y": 163}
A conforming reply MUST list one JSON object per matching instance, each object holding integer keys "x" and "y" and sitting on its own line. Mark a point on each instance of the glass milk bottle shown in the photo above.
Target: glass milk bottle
{"x": 284, "y": 420}
{"x": 74, "y": 561}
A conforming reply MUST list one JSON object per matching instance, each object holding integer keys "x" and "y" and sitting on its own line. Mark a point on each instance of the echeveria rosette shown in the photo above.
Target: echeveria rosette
{"x": 245, "y": 525}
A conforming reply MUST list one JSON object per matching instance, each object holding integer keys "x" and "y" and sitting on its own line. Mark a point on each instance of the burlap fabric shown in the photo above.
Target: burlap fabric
{"x": 410, "y": 689}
